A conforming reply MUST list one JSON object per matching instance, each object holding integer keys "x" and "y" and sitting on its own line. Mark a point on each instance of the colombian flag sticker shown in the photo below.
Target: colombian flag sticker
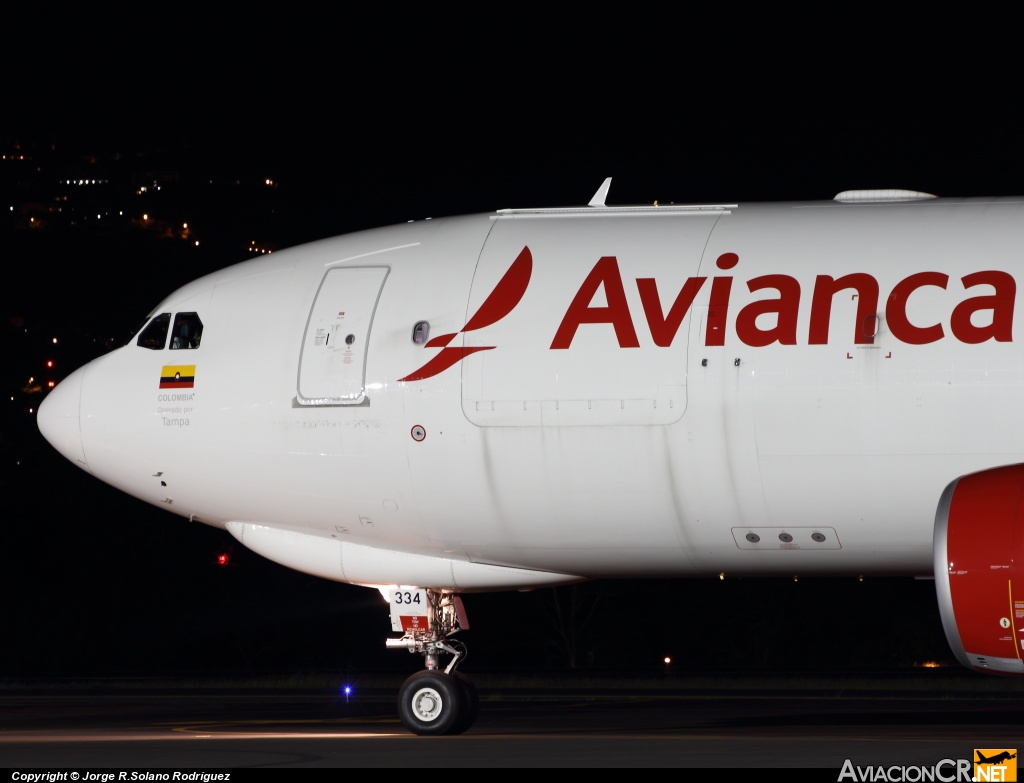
{"x": 178, "y": 376}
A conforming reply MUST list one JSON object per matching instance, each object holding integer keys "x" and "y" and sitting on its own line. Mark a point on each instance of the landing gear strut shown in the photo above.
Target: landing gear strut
{"x": 435, "y": 700}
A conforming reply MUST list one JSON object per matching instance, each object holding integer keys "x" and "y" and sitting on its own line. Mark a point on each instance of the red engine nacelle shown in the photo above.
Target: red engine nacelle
{"x": 979, "y": 569}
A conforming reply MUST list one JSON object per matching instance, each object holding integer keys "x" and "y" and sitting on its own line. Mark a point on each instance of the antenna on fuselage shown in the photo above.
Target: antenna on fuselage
{"x": 601, "y": 195}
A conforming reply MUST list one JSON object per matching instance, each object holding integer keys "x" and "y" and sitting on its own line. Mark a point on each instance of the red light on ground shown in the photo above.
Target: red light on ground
{"x": 51, "y": 384}
{"x": 222, "y": 559}
{"x": 49, "y": 363}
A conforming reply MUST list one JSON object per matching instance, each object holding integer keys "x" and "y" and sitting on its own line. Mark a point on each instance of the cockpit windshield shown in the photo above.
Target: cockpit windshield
{"x": 187, "y": 332}
{"x": 154, "y": 336}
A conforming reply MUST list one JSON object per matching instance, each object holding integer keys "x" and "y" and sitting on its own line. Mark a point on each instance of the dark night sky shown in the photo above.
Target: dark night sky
{"x": 367, "y": 124}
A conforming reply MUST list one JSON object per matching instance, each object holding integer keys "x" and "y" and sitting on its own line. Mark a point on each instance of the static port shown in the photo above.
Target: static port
{"x": 785, "y": 538}
{"x": 816, "y": 536}
{"x": 753, "y": 538}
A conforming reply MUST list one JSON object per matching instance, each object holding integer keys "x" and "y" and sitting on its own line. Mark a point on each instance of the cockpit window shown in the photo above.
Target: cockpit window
{"x": 154, "y": 336}
{"x": 187, "y": 332}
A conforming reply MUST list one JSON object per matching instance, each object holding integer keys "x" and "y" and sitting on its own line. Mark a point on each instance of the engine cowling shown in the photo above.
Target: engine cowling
{"x": 979, "y": 569}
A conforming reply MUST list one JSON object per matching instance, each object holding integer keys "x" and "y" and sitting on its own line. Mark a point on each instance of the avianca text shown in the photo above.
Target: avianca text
{"x": 992, "y": 299}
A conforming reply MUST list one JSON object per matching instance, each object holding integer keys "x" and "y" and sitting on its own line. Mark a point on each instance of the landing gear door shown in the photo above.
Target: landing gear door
{"x": 410, "y": 610}
{"x": 332, "y": 364}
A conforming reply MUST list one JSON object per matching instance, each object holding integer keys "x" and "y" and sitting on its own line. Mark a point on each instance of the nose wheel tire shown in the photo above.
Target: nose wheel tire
{"x": 432, "y": 702}
{"x": 470, "y": 702}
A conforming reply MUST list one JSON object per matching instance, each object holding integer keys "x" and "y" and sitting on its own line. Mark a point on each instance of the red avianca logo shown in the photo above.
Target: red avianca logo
{"x": 605, "y": 275}
{"x": 499, "y": 303}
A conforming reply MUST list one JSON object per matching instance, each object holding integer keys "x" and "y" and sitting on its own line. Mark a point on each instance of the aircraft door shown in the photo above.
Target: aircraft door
{"x": 332, "y": 363}
{"x": 600, "y": 338}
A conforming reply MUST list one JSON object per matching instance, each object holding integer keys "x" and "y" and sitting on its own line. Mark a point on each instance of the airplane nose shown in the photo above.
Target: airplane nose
{"x": 59, "y": 418}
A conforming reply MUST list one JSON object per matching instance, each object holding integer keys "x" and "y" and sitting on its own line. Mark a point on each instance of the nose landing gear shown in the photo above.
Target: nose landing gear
{"x": 435, "y": 700}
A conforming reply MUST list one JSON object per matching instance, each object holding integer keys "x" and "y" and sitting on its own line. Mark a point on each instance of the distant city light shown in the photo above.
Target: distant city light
{"x": 197, "y": 243}
{"x": 145, "y": 216}
{"x": 54, "y": 340}
{"x": 668, "y": 660}
{"x": 184, "y": 225}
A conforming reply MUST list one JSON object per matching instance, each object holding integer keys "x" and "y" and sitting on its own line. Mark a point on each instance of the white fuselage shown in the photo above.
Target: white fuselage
{"x": 780, "y": 423}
